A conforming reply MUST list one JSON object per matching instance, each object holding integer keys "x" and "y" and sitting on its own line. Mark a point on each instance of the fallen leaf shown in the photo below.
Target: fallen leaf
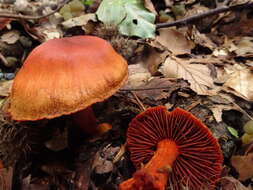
{"x": 158, "y": 89}
{"x": 104, "y": 164}
{"x": 232, "y": 184}
{"x": 10, "y": 37}
{"x": 244, "y": 47}
{"x": 5, "y": 88}
{"x": 243, "y": 165}
{"x": 201, "y": 39}
{"x": 129, "y": 16}
{"x": 198, "y": 75}
{"x": 240, "y": 79}
{"x": 241, "y": 26}
{"x": 174, "y": 41}
{"x": 149, "y": 5}
{"x": 138, "y": 75}
{"x": 218, "y": 109}
{"x": 79, "y": 21}
{"x": 233, "y": 132}
{"x": 153, "y": 58}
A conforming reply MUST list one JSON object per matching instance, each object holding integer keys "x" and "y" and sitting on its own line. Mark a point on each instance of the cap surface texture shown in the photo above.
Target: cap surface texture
{"x": 63, "y": 76}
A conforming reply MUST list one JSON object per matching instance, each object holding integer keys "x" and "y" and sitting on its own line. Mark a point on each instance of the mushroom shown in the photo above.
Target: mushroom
{"x": 66, "y": 76}
{"x": 174, "y": 147}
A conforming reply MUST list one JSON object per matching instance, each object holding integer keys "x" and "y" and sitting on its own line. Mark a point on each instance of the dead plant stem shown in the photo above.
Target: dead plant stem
{"x": 139, "y": 101}
{"x": 191, "y": 19}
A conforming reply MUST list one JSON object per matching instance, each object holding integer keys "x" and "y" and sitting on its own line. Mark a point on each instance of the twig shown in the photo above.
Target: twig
{"x": 141, "y": 89}
{"x": 138, "y": 101}
{"x": 30, "y": 17}
{"x": 189, "y": 20}
{"x": 2, "y": 58}
{"x": 193, "y": 105}
{"x": 242, "y": 110}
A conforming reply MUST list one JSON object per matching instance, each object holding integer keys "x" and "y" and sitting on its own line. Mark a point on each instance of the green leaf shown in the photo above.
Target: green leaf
{"x": 111, "y": 12}
{"x": 88, "y": 2}
{"x": 129, "y": 16}
{"x": 233, "y": 132}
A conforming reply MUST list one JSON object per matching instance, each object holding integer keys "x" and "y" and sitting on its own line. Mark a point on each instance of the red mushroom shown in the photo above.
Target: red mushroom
{"x": 174, "y": 147}
{"x": 66, "y": 76}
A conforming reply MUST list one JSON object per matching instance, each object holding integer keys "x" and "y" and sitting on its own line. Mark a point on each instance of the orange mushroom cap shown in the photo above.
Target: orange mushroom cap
{"x": 63, "y": 76}
{"x": 195, "y": 157}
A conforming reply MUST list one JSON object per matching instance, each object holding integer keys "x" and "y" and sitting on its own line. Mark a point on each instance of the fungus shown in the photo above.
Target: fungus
{"x": 66, "y": 76}
{"x": 174, "y": 147}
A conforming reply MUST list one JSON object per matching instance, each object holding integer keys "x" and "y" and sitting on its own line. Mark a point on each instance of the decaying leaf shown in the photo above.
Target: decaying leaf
{"x": 241, "y": 26}
{"x": 243, "y": 165}
{"x": 232, "y": 184}
{"x": 198, "y": 75}
{"x": 104, "y": 164}
{"x": 201, "y": 39}
{"x": 158, "y": 89}
{"x": 10, "y": 37}
{"x": 129, "y": 16}
{"x": 174, "y": 41}
{"x": 5, "y": 88}
{"x": 149, "y": 5}
{"x": 240, "y": 79}
{"x": 153, "y": 58}
{"x": 79, "y": 21}
{"x": 244, "y": 47}
{"x": 138, "y": 75}
{"x": 217, "y": 110}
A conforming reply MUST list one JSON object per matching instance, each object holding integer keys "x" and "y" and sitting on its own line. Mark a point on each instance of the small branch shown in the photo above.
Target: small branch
{"x": 29, "y": 17}
{"x": 141, "y": 89}
{"x": 191, "y": 19}
{"x": 242, "y": 110}
{"x": 140, "y": 104}
{"x": 2, "y": 58}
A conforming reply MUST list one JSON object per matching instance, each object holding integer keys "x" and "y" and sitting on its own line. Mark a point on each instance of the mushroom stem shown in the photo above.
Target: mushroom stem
{"x": 86, "y": 125}
{"x": 154, "y": 175}
{"x": 86, "y": 121}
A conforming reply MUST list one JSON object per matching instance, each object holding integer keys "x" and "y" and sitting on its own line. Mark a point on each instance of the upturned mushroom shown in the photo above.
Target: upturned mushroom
{"x": 66, "y": 76}
{"x": 172, "y": 147}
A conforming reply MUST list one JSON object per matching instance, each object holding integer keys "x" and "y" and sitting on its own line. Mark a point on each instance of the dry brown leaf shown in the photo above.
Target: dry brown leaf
{"x": 79, "y": 21}
{"x": 218, "y": 109}
{"x": 138, "y": 75}
{"x": 202, "y": 39}
{"x": 230, "y": 183}
{"x": 153, "y": 58}
{"x": 5, "y": 88}
{"x": 198, "y": 75}
{"x": 156, "y": 88}
{"x": 149, "y": 5}
{"x": 243, "y": 165}
{"x": 174, "y": 41}
{"x": 241, "y": 26}
{"x": 10, "y": 37}
{"x": 244, "y": 47}
{"x": 240, "y": 79}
